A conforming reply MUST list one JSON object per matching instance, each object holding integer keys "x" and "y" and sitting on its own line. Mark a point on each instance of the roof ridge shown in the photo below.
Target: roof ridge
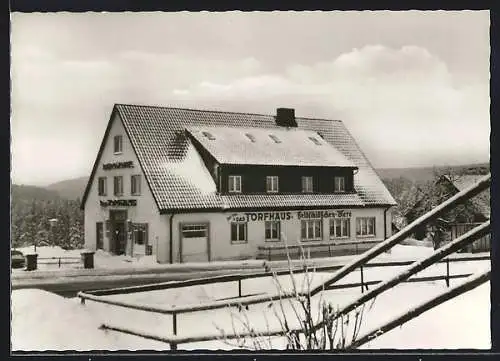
{"x": 221, "y": 111}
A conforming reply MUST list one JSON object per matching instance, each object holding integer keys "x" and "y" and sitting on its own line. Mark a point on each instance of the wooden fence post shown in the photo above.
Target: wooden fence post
{"x": 239, "y": 287}
{"x": 174, "y": 322}
{"x": 362, "y": 279}
{"x": 447, "y": 272}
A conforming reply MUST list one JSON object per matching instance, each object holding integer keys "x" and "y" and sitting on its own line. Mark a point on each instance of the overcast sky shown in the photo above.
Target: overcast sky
{"x": 412, "y": 87}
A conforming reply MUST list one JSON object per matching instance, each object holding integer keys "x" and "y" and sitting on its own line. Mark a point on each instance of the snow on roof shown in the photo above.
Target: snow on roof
{"x": 287, "y": 147}
{"x": 158, "y": 137}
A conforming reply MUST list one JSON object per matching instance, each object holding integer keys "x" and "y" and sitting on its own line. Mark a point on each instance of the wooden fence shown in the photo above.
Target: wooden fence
{"x": 483, "y": 244}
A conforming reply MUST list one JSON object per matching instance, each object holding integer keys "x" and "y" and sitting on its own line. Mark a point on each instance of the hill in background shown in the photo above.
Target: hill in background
{"x": 71, "y": 188}
{"x": 27, "y": 193}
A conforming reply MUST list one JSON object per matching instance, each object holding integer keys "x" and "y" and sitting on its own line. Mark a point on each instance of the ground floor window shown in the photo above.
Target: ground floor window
{"x": 311, "y": 229}
{"x": 365, "y": 226}
{"x": 272, "y": 231}
{"x": 238, "y": 232}
{"x": 140, "y": 233}
{"x": 99, "y": 235}
{"x": 340, "y": 228}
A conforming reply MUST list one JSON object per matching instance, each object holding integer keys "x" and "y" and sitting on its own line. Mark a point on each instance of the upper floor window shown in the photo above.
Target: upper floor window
{"x": 102, "y": 186}
{"x": 307, "y": 184}
{"x": 234, "y": 184}
{"x": 272, "y": 230}
{"x": 339, "y": 184}
{"x": 118, "y": 185}
{"x": 365, "y": 226}
{"x": 272, "y": 184}
{"x": 118, "y": 144}
{"x": 340, "y": 227}
{"x": 239, "y": 232}
{"x": 311, "y": 229}
{"x": 135, "y": 185}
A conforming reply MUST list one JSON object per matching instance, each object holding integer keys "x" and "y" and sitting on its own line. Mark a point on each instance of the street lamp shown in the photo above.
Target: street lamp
{"x": 53, "y": 222}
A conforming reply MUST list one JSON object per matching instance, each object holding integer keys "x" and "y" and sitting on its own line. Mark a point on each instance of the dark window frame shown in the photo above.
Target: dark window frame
{"x": 118, "y": 190}
{"x": 118, "y": 144}
{"x": 135, "y": 185}
{"x": 102, "y": 191}
{"x": 239, "y": 226}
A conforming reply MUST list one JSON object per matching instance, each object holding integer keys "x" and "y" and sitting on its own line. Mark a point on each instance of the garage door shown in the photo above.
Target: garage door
{"x": 194, "y": 246}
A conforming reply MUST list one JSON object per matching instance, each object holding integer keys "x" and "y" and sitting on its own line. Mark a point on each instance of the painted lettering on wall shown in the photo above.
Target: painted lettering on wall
{"x": 324, "y": 214}
{"x": 260, "y": 216}
{"x": 118, "y": 165}
{"x": 119, "y": 202}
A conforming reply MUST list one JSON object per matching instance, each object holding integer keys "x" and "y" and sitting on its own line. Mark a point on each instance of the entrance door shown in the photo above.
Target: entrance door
{"x": 118, "y": 228}
{"x": 194, "y": 243}
{"x": 120, "y": 239}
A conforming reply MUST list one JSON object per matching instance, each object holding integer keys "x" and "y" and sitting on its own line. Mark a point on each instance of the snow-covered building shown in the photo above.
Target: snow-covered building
{"x": 196, "y": 185}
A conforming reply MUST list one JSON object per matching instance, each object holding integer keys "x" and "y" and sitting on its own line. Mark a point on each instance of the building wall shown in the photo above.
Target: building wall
{"x": 219, "y": 231}
{"x": 145, "y": 211}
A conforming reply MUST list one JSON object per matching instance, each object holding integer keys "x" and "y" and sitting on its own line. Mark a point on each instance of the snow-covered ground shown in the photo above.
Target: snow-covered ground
{"x": 45, "y": 321}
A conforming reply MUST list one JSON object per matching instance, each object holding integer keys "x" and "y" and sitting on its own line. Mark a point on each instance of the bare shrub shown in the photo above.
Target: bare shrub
{"x": 308, "y": 325}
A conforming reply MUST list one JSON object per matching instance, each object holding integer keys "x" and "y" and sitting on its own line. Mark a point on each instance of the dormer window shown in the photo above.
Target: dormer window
{"x": 275, "y": 138}
{"x": 118, "y": 144}
{"x": 208, "y": 135}
{"x": 339, "y": 184}
{"x": 251, "y": 137}
{"x": 315, "y": 141}
{"x": 272, "y": 184}
{"x": 234, "y": 184}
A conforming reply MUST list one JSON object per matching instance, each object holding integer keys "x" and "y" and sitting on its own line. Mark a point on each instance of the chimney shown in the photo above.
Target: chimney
{"x": 285, "y": 117}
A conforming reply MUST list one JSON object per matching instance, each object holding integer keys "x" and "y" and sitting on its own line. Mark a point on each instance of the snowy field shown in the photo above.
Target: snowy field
{"x": 42, "y": 321}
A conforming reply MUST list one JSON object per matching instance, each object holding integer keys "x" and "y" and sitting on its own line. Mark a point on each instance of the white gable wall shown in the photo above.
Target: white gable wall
{"x": 145, "y": 211}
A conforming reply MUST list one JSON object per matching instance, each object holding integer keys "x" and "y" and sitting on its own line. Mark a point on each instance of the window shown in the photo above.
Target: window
{"x": 275, "y": 138}
{"x": 235, "y": 183}
{"x": 340, "y": 227}
{"x": 135, "y": 185}
{"x": 365, "y": 226}
{"x": 102, "y": 186}
{"x": 315, "y": 141}
{"x": 118, "y": 144}
{"x": 307, "y": 184}
{"x": 118, "y": 185}
{"x": 311, "y": 229}
{"x": 238, "y": 232}
{"x": 99, "y": 235}
{"x": 272, "y": 184}
{"x": 208, "y": 135}
{"x": 251, "y": 137}
{"x": 194, "y": 231}
{"x": 339, "y": 184}
{"x": 140, "y": 233}
{"x": 272, "y": 231}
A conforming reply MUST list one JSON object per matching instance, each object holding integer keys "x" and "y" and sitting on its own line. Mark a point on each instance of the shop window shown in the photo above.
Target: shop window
{"x": 118, "y": 144}
{"x": 307, "y": 184}
{"x": 272, "y": 184}
{"x": 235, "y": 183}
{"x": 238, "y": 232}
{"x": 118, "y": 185}
{"x": 272, "y": 230}
{"x": 311, "y": 229}
{"x": 339, "y": 184}
{"x": 135, "y": 185}
{"x": 102, "y": 186}
{"x": 140, "y": 233}
{"x": 340, "y": 228}
{"x": 99, "y": 235}
{"x": 365, "y": 226}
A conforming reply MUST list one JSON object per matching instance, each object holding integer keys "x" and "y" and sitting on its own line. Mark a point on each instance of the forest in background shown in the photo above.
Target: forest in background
{"x": 32, "y": 207}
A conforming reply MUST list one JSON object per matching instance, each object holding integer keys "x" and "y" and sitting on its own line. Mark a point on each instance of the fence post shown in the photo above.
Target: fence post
{"x": 59, "y": 262}
{"x": 173, "y": 346}
{"x": 447, "y": 272}
{"x": 362, "y": 279}
{"x": 269, "y": 253}
{"x": 330, "y": 250}
{"x": 174, "y": 322}
{"x": 82, "y": 300}
{"x": 239, "y": 287}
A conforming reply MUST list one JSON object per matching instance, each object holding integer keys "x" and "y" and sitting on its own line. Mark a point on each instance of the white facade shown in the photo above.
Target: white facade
{"x": 210, "y": 232}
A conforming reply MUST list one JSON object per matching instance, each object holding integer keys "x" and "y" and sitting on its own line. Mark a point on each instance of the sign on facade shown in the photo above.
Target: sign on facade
{"x": 285, "y": 216}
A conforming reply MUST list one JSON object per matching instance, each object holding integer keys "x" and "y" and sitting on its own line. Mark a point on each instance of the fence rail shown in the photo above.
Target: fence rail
{"x": 362, "y": 261}
{"x": 57, "y": 260}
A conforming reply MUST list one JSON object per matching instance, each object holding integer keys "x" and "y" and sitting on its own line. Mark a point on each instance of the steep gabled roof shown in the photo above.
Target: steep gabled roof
{"x": 258, "y": 146}
{"x": 481, "y": 202}
{"x": 179, "y": 181}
